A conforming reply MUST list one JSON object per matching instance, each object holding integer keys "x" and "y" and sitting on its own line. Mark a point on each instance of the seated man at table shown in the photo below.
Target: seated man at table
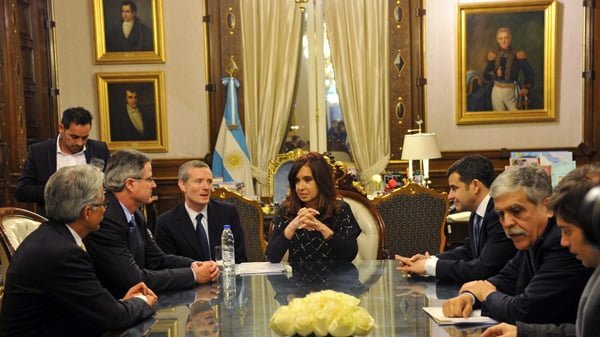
{"x": 51, "y": 287}
{"x": 566, "y": 202}
{"x": 193, "y": 228}
{"x": 543, "y": 282}
{"x": 487, "y": 249}
{"x": 123, "y": 250}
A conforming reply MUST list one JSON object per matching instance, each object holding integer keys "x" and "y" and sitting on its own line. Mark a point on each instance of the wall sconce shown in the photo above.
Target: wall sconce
{"x": 422, "y": 147}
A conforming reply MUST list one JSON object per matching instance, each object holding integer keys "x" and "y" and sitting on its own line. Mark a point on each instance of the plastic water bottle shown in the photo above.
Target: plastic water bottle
{"x": 228, "y": 250}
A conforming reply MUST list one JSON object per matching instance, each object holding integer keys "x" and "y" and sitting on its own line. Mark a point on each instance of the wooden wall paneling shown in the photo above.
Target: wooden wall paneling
{"x": 34, "y": 30}
{"x": 406, "y": 69}
{"x": 223, "y": 26}
{"x": 13, "y": 121}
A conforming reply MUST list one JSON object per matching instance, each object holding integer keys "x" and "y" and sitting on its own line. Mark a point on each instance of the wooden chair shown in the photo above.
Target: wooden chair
{"x": 15, "y": 225}
{"x": 278, "y": 170}
{"x": 414, "y": 218}
{"x": 251, "y": 219}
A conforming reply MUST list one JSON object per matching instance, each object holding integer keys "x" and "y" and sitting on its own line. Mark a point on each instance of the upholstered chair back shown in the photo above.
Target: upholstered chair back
{"x": 414, "y": 218}
{"x": 251, "y": 219}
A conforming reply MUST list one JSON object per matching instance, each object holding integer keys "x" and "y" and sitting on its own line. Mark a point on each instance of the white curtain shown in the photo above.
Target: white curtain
{"x": 271, "y": 44}
{"x": 358, "y": 38}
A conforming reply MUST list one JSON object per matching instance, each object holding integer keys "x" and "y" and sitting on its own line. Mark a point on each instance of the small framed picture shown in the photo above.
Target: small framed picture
{"x": 129, "y": 31}
{"x": 132, "y": 113}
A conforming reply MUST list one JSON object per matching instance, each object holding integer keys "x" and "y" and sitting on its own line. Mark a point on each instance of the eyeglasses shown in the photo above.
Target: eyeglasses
{"x": 101, "y": 204}
{"x": 149, "y": 179}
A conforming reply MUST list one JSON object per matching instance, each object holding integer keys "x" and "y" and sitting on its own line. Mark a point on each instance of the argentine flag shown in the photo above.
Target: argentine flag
{"x": 231, "y": 159}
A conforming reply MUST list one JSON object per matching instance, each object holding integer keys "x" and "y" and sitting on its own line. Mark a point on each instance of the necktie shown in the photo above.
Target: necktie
{"x": 203, "y": 237}
{"x": 476, "y": 231}
{"x": 133, "y": 238}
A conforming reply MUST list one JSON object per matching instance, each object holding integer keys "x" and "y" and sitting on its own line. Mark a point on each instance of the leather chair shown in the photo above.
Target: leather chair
{"x": 371, "y": 241}
{"x": 414, "y": 218}
{"x": 15, "y": 225}
{"x": 251, "y": 219}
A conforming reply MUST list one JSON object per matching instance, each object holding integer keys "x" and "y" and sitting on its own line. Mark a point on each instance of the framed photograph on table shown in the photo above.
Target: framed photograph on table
{"x": 506, "y": 62}
{"x": 128, "y": 31}
{"x": 131, "y": 108}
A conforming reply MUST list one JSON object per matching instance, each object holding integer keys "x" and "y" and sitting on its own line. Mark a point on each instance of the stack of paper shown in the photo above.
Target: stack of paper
{"x": 249, "y": 268}
{"x": 437, "y": 315}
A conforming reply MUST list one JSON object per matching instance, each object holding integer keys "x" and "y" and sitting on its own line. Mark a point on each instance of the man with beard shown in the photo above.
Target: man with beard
{"x": 71, "y": 147}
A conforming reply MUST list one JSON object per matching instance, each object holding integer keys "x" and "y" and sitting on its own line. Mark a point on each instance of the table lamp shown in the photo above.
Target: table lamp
{"x": 422, "y": 147}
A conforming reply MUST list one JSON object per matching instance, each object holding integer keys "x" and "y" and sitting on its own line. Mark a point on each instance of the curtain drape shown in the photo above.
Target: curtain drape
{"x": 358, "y": 38}
{"x": 271, "y": 43}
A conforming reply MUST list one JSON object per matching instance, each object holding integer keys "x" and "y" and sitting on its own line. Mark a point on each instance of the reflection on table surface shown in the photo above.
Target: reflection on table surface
{"x": 392, "y": 298}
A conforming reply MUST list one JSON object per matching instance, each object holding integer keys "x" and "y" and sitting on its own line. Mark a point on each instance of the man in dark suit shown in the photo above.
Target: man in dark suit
{"x": 130, "y": 34}
{"x": 487, "y": 249}
{"x": 130, "y": 122}
{"x": 72, "y": 147}
{"x": 566, "y": 204}
{"x": 543, "y": 282}
{"x": 51, "y": 285}
{"x": 177, "y": 230}
{"x": 123, "y": 250}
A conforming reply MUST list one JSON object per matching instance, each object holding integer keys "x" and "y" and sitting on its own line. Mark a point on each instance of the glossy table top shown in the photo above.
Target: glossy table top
{"x": 392, "y": 298}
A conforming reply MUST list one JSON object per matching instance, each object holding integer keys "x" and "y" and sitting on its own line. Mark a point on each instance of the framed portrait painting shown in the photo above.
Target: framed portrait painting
{"x": 506, "y": 62}
{"x": 128, "y": 31}
{"x": 131, "y": 108}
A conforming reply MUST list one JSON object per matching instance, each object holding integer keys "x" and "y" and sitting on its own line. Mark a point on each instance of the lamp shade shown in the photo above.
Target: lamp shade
{"x": 420, "y": 146}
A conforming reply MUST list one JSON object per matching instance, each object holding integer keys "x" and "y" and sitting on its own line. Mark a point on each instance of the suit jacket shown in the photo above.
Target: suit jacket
{"x": 467, "y": 263}
{"x": 122, "y": 128}
{"x": 52, "y": 290}
{"x": 119, "y": 270}
{"x": 41, "y": 164}
{"x": 540, "y": 285}
{"x": 587, "y": 316}
{"x": 140, "y": 38}
{"x": 175, "y": 232}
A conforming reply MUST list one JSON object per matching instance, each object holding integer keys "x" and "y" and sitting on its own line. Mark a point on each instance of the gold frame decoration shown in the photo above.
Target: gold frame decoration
{"x": 164, "y": 328}
{"x": 520, "y": 80}
{"x": 131, "y": 107}
{"x": 145, "y": 40}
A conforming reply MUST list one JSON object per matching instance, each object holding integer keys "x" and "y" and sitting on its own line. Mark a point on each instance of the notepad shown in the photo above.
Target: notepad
{"x": 249, "y": 268}
{"x": 437, "y": 315}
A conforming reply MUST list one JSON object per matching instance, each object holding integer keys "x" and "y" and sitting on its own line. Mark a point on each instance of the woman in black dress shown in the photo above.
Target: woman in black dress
{"x": 311, "y": 223}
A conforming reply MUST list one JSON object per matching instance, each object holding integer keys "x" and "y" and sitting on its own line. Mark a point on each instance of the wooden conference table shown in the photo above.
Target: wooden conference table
{"x": 392, "y": 298}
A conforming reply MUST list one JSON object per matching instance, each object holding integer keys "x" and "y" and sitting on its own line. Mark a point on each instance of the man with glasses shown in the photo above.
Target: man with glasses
{"x": 123, "y": 250}
{"x": 51, "y": 286}
{"x": 71, "y": 147}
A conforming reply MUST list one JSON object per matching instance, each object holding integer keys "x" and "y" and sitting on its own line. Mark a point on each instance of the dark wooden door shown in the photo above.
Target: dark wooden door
{"x": 27, "y": 80}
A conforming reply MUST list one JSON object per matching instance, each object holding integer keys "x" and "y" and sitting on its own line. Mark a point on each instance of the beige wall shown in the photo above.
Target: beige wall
{"x": 441, "y": 87}
{"x": 185, "y": 78}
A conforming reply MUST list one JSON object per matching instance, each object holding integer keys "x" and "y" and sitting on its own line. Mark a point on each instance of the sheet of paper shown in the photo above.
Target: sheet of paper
{"x": 248, "y": 268}
{"x": 437, "y": 315}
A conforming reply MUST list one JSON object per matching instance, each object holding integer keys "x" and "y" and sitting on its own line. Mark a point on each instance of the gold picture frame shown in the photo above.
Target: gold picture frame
{"x": 145, "y": 39}
{"x": 131, "y": 108}
{"x": 164, "y": 328}
{"x": 510, "y": 85}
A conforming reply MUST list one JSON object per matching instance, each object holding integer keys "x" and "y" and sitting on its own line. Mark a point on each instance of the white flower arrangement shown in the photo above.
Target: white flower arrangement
{"x": 322, "y": 313}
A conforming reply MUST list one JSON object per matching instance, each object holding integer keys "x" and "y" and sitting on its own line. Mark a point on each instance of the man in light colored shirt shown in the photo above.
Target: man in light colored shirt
{"x": 71, "y": 147}
{"x": 487, "y": 248}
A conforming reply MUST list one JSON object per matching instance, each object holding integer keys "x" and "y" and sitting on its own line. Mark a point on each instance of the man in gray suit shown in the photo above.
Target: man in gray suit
{"x": 565, "y": 202}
